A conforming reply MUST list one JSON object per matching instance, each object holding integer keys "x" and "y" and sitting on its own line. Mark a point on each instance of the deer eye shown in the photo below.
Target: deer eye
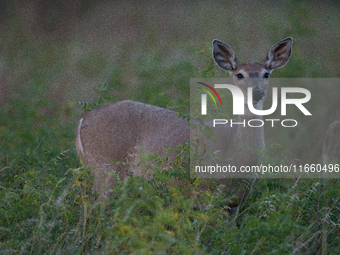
{"x": 266, "y": 75}
{"x": 239, "y": 76}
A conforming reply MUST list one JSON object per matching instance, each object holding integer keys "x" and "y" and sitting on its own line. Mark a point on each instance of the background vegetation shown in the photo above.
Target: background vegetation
{"x": 52, "y": 54}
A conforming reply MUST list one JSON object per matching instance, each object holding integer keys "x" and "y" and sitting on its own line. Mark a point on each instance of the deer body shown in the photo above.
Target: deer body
{"x": 124, "y": 126}
{"x": 113, "y": 132}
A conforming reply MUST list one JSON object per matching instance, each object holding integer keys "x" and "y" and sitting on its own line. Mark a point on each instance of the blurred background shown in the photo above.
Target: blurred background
{"x": 53, "y": 53}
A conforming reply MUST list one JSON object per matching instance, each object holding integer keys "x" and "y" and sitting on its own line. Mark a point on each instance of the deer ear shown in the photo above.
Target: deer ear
{"x": 224, "y": 55}
{"x": 279, "y": 53}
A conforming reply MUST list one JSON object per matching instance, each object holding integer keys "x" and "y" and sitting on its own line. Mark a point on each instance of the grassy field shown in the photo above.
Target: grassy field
{"x": 52, "y": 55}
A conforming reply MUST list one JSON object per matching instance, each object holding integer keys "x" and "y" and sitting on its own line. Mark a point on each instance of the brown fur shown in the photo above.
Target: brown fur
{"x": 113, "y": 132}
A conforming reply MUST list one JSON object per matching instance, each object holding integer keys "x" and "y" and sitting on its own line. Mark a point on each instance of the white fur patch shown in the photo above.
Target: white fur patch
{"x": 263, "y": 71}
{"x": 261, "y": 74}
{"x": 79, "y": 144}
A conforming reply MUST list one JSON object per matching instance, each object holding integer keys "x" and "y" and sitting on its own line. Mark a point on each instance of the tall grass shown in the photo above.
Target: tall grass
{"x": 44, "y": 190}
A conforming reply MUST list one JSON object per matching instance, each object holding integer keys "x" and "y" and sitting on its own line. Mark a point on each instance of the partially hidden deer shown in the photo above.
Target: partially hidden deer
{"x": 112, "y": 133}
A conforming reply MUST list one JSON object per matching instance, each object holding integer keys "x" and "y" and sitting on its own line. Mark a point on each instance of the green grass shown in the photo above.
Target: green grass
{"x": 45, "y": 208}
{"x": 44, "y": 190}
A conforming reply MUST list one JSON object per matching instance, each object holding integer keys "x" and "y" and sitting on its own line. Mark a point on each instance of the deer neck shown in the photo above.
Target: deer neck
{"x": 250, "y": 139}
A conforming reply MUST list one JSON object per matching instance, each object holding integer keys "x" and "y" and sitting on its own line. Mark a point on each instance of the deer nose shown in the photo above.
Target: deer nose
{"x": 258, "y": 94}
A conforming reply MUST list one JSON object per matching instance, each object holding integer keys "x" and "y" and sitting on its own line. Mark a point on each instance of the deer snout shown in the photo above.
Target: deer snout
{"x": 258, "y": 94}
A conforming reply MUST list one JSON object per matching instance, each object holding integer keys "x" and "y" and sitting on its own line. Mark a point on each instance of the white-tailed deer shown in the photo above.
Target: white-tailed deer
{"x": 111, "y": 133}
